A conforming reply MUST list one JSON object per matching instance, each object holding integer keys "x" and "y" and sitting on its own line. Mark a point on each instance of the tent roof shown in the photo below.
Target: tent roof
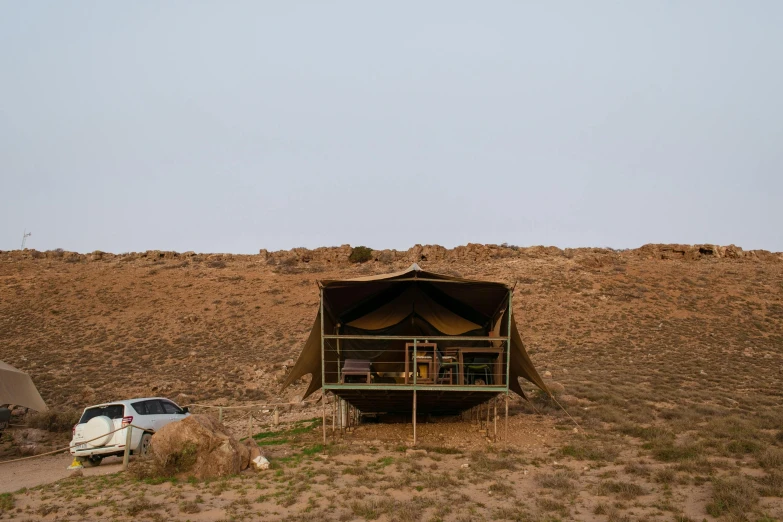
{"x": 16, "y": 387}
{"x": 350, "y": 298}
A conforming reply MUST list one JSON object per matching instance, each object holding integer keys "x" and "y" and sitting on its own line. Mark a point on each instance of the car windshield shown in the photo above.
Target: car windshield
{"x": 113, "y": 411}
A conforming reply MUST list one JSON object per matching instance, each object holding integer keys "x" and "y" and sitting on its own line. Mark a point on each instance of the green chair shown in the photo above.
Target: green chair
{"x": 446, "y": 370}
{"x": 479, "y": 366}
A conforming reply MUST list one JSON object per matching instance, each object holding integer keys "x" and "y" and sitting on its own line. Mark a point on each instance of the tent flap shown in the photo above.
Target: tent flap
{"x": 16, "y": 387}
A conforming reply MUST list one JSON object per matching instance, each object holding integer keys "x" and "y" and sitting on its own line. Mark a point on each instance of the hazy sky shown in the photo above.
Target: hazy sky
{"x": 231, "y": 126}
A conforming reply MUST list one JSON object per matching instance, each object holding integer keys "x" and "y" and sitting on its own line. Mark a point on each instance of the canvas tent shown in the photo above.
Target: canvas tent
{"x": 413, "y": 302}
{"x": 16, "y": 387}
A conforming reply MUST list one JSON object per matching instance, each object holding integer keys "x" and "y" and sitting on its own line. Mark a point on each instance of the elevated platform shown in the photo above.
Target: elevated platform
{"x": 430, "y": 400}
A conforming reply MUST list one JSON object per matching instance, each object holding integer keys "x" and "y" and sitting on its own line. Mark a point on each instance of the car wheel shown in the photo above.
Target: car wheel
{"x": 144, "y": 445}
{"x": 91, "y": 462}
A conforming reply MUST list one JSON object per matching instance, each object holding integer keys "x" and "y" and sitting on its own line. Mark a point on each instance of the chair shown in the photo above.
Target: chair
{"x": 360, "y": 367}
{"x": 446, "y": 370}
{"x": 480, "y": 365}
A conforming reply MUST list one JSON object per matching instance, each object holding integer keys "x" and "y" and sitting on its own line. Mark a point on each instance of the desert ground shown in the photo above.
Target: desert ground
{"x": 668, "y": 360}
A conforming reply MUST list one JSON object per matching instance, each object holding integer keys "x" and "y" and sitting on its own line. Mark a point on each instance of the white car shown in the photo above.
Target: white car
{"x": 150, "y": 414}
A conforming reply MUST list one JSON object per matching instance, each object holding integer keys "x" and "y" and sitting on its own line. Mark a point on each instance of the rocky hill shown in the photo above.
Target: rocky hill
{"x": 224, "y": 328}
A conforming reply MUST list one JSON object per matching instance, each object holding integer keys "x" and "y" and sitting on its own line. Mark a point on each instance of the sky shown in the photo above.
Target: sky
{"x": 231, "y": 126}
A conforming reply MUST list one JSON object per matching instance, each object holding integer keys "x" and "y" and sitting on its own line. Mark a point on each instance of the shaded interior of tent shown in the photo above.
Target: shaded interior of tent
{"x": 377, "y": 339}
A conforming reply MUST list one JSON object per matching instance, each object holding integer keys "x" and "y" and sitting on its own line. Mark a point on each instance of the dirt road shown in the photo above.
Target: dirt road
{"x": 34, "y": 472}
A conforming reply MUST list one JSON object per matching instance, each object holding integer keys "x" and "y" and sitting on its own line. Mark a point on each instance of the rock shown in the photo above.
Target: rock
{"x": 567, "y": 399}
{"x": 30, "y": 435}
{"x": 30, "y": 449}
{"x": 547, "y": 374}
{"x": 200, "y": 446}
{"x": 555, "y": 387}
{"x": 260, "y": 462}
{"x": 252, "y": 446}
{"x": 76, "y": 473}
{"x": 411, "y": 451}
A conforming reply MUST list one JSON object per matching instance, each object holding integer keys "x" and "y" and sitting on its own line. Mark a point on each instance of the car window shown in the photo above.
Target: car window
{"x": 140, "y": 407}
{"x": 154, "y": 407}
{"x": 170, "y": 408}
{"x": 113, "y": 411}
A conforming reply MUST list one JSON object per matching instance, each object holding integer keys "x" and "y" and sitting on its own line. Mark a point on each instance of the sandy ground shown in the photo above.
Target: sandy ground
{"x": 43, "y": 470}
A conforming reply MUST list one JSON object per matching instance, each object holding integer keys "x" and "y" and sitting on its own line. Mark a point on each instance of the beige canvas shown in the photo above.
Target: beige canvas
{"x": 16, "y": 387}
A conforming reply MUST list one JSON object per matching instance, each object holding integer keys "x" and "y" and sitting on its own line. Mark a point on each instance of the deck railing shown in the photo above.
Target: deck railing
{"x": 400, "y": 362}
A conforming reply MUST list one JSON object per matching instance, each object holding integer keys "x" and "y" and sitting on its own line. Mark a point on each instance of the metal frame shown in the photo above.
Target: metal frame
{"x": 497, "y": 389}
{"x": 415, "y": 386}
{"x": 424, "y": 387}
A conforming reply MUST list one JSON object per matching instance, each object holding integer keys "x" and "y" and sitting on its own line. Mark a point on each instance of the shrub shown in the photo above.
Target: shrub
{"x": 625, "y": 490}
{"x": 56, "y": 421}
{"x": 559, "y": 480}
{"x": 589, "y": 450}
{"x": 771, "y": 458}
{"x": 772, "y": 484}
{"x": 6, "y": 502}
{"x": 360, "y": 254}
{"x": 736, "y": 496}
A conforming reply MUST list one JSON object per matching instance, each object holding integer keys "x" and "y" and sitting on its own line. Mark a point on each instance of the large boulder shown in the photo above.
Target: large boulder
{"x": 200, "y": 446}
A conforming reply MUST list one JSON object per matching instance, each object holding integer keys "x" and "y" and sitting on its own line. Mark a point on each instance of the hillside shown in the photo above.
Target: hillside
{"x": 222, "y": 327}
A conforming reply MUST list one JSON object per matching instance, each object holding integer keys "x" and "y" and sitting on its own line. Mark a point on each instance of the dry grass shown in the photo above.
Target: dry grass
{"x": 624, "y": 490}
{"x": 55, "y": 420}
{"x": 560, "y": 480}
{"x": 735, "y": 496}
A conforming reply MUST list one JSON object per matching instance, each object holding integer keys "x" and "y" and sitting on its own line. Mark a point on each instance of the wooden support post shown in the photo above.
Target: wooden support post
{"x": 414, "y": 418}
{"x": 495, "y": 417}
{"x": 220, "y": 414}
{"x": 334, "y": 413}
{"x": 505, "y": 435}
{"x": 250, "y": 425}
{"x": 487, "y": 425}
{"x": 126, "y": 455}
{"x": 277, "y": 416}
{"x": 340, "y": 416}
{"x": 323, "y": 422}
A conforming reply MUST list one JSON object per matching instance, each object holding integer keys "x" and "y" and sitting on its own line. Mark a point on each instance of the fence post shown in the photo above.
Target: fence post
{"x": 495, "y": 417}
{"x": 505, "y": 435}
{"x": 250, "y": 425}
{"x": 277, "y": 416}
{"x": 220, "y": 414}
{"x": 414, "y": 417}
{"x": 126, "y": 456}
{"x": 487, "y": 425}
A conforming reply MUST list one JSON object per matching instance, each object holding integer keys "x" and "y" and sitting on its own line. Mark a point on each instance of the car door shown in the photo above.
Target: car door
{"x": 172, "y": 411}
{"x": 157, "y": 415}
